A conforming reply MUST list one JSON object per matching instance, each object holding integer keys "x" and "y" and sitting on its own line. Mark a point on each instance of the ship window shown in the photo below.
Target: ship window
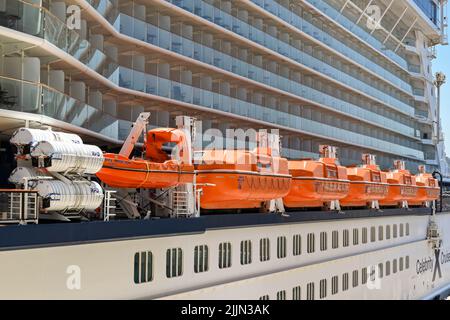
{"x": 174, "y": 262}
{"x": 345, "y": 282}
{"x": 380, "y": 233}
{"x": 401, "y": 264}
{"x": 407, "y": 262}
{"x": 388, "y": 268}
{"x": 296, "y": 293}
{"x": 380, "y": 270}
{"x": 373, "y": 235}
{"x": 246, "y": 252}
{"x": 143, "y": 267}
{"x": 355, "y": 237}
{"x": 388, "y": 232}
{"x": 311, "y": 243}
{"x": 394, "y": 231}
{"x": 224, "y": 255}
{"x": 345, "y": 238}
{"x": 355, "y": 278}
{"x": 364, "y": 235}
{"x": 402, "y": 233}
{"x": 323, "y": 288}
{"x": 364, "y": 276}
{"x": 335, "y": 239}
{"x": 201, "y": 259}
{"x": 372, "y": 273}
{"x": 334, "y": 285}
{"x": 323, "y": 241}
{"x": 407, "y": 229}
{"x": 281, "y": 295}
{"x": 281, "y": 247}
{"x": 265, "y": 297}
{"x": 310, "y": 291}
{"x": 394, "y": 266}
{"x": 264, "y": 249}
{"x": 297, "y": 245}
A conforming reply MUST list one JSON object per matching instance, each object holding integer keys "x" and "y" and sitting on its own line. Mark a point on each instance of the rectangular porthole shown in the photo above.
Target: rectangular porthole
{"x": 143, "y": 267}
{"x": 201, "y": 259}
{"x": 297, "y": 245}
{"x": 224, "y": 255}
{"x": 264, "y": 249}
{"x": 174, "y": 262}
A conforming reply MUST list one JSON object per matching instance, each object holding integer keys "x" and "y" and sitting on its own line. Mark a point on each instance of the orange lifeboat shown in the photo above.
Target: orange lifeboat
{"x": 120, "y": 172}
{"x": 368, "y": 184}
{"x": 402, "y": 186}
{"x": 241, "y": 179}
{"x": 316, "y": 183}
{"x": 428, "y": 188}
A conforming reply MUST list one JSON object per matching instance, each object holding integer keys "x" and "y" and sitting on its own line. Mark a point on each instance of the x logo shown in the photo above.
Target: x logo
{"x": 437, "y": 265}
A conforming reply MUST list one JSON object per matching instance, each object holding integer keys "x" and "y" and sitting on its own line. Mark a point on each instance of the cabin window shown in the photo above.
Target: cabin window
{"x": 402, "y": 232}
{"x": 143, "y": 267}
{"x": 323, "y": 288}
{"x": 388, "y": 232}
{"x": 264, "y": 249}
{"x": 407, "y": 229}
{"x": 394, "y": 266}
{"x": 323, "y": 241}
{"x": 380, "y": 270}
{"x": 364, "y": 235}
{"x": 407, "y": 262}
{"x": 380, "y": 233}
{"x": 335, "y": 239}
{"x": 394, "y": 231}
{"x": 401, "y": 264}
{"x": 372, "y": 273}
{"x": 373, "y": 236}
{"x": 281, "y": 295}
{"x": 311, "y": 243}
{"x": 174, "y": 262}
{"x": 281, "y": 247}
{"x": 297, "y": 245}
{"x": 296, "y": 293}
{"x": 224, "y": 255}
{"x": 355, "y": 278}
{"x": 345, "y": 282}
{"x": 334, "y": 285}
{"x": 310, "y": 291}
{"x": 201, "y": 259}
{"x": 345, "y": 238}
{"x": 355, "y": 237}
{"x": 246, "y": 252}
{"x": 265, "y": 297}
{"x": 364, "y": 276}
{"x": 388, "y": 268}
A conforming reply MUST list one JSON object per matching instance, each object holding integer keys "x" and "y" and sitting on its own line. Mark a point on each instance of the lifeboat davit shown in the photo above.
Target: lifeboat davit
{"x": 315, "y": 183}
{"x": 368, "y": 184}
{"x": 428, "y": 188}
{"x": 241, "y": 179}
{"x": 402, "y": 186}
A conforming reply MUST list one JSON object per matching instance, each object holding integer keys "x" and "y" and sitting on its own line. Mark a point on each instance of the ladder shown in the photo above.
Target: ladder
{"x": 15, "y": 206}
{"x": 109, "y": 205}
{"x": 180, "y": 203}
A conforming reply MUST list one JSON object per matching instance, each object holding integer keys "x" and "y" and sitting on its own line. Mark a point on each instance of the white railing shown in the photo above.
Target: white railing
{"x": 19, "y": 206}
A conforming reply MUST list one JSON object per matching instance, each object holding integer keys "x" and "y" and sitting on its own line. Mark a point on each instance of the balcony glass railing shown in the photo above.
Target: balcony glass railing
{"x": 151, "y": 84}
{"x": 238, "y": 26}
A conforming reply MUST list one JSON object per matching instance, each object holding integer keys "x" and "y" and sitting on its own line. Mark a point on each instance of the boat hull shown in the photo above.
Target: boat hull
{"x": 362, "y": 192}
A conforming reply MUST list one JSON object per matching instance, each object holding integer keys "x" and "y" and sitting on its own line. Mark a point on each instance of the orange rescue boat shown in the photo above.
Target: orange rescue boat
{"x": 368, "y": 184}
{"x": 317, "y": 183}
{"x": 402, "y": 186}
{"x": 428, "y": 188}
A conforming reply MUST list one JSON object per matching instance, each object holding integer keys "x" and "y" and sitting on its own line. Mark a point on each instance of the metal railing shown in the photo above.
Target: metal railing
{"x": 19, "y": 206}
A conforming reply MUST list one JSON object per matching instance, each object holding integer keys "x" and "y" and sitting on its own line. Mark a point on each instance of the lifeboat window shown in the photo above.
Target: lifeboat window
{"x": 265, "y": 297}
{"x": 407, "y": 229}
{"x": 323, "y": 241}
{"x": 376, "y": 177}
{"x": 345, "y": 282}
{"x": 355, "y": 278}
{"x": 332, "y": 173}
{"x": 335, "y": 239}
{"x": 407, "y": 262}
{"x": 264, "y": 249}
{"x": 297, "y": 245}
{"x": 311, "y": 243}
{"x": 346, "y": 238}
{"x": 323, "y": 288}
{"x": 388, "y": 268}
{"x": 373, "y": 234}
{"x": 334, "y": 285}
{"x": 143, "y": 267}
{"x": 407, "y": 180}
{"x": 380, "y": 270}
{"x": 224, "y": 255}
{"x": 402, "y": 231}
{"x": 394, "y": 266}
{"x": 281, "y": 295}
{"x": 296, "y": 293}
{"x": 394, "y": 231}
{"x": 201, "y": 259}
{"x": 355, "y": 237}
{"x": 401, "y": 264}
{"x": 380, "y": 233}
{"x": 388, "y": 232}
{"x": 246, "y": 252}
{"x": 364, "y": 235}
{"x": 281, "y": 247}
{"x": 364, "y": 275}
{"x": 310, "y": 291}
{"x": 174, "y": 262}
